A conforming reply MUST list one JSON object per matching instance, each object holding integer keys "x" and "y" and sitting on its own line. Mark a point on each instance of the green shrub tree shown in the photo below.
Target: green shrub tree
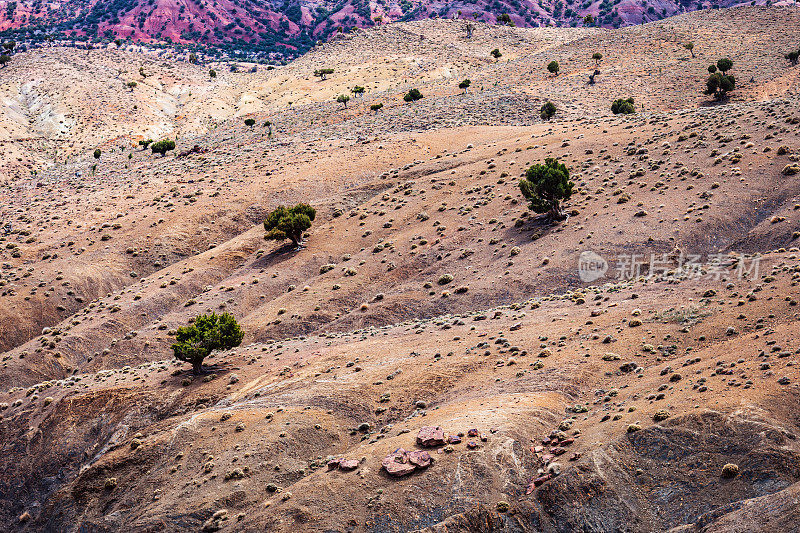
{"x": 547, "y": 111}
{"x": 464, "y": 85}
{"x": 343, "y": 99}
{"x": 209, "y": 332}
{"x": 623, "y": 106}
{"x": 289, "y": 223}
{"x": 413, "y": 95}
{"x": 322, "y": 73}
{"x": 163, "y": 146}
{"x": 546, "y": 187}
{"x": 552, "y": 67}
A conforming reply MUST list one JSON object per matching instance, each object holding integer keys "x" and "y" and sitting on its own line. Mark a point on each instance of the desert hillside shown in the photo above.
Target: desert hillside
{"x": 434, "y": 356}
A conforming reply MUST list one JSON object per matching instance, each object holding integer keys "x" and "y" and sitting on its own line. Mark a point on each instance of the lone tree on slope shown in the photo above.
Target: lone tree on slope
{"x": 343, "y": 99}
{"x": 719, "y": 82}
{"x": 162, "y": 147}
{"x": 413, "y": 95}
{"x": 209, "y": 332}
{"x": 289, "y": 223}
{"x": 553, "y": 67}
{"x": 465, "y": 85}
{"x": 547, "y": 111}
{"x": 546, "y": 186}
{"x": 322, "y": 73}
{"x": 623, "y": 106}
{"x": 597, "y": 56}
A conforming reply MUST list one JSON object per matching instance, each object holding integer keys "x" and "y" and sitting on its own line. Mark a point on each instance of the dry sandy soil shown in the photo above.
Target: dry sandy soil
{"x": 427, "y": 294}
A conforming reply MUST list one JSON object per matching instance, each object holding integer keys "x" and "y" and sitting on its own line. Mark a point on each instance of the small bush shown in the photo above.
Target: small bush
{"x": 547, "y": 111}
{"x": 413, "y": 95}
{"x": 623, "y": 106}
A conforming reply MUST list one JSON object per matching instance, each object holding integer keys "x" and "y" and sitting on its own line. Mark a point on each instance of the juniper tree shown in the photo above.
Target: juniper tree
{"x": 547, "y": 111}
{"x": 208, "y": 332}
{"x": 553, "y": 67}
{"x": 546, "y": 186}
{"x": 623, "y": 106}
{"x": 163, "y": 146}
{"x": 289, "y": 223}
{"x": 413, "y": 95}
{"x": 464, "y": 85}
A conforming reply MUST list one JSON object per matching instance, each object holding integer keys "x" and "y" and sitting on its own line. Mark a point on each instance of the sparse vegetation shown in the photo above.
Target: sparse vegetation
{"x": 464, "y": 85}
{"x": 496, "y": 53}
{"x": 553, "y": 67}
{"x": 343, "y": 99}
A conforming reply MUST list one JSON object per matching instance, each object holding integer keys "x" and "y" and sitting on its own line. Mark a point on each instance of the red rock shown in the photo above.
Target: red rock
{"x": 472, "y": 433}
{"x": 567, "y": 442}
{"x": 541, "y": 479}
{"x": 348, "y": 464}
{"x": 559, "y": 451}
{"x": 575, "y": 456}
{"x": 472, "y": 445}
{"x": 430, "y": 436}
{"x": 484, "y": 437}
{"x": 420, "y": 458}
{"x": 538, "y": 449}
{"x": 333, "y": 463}
{"x": 454, "y": 439}
{"x": 547, "y": 458}
{"x": 396, "y": 463}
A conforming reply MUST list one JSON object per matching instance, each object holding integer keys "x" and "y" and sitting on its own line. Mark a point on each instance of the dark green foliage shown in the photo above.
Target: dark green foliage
{"x": 413, "y": 95}
{"x": 496, "y": 53}
{"x": 212, "y": 73}
{"x": 250, "y": 122}
{"x": 464, "y": 85}
{"x": 505, "y": 18}
{"x": 322, "y": 73}
{"x": 553, "y": 67}
{"x": 144, "y": 144}
{"x": 597, "y": 56}
{"x": 588, "y": 20}
{"x": 719, "y": 85}
{"x": 547, "y": 111}
{"x": 5, "y": 58}
{"x": 376, "y": 107}
{"x": 546, "y": 186}
{"x": 97, "y": 153}
{"x": 343, "y": 99}
{"x": 209, "y": 332}
{"x": 289, "y": 223}
{"x": 162, "y": 147}
{"x": 358, "y": 90}
{"x": 793, "y": 57}
{"x": 623, "y": 106}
